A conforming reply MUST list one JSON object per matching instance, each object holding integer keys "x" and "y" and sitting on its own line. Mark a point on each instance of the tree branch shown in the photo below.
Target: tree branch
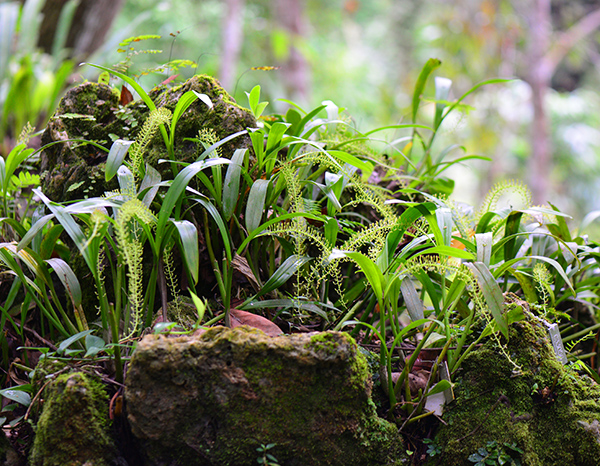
{"x": 569, "y": 38}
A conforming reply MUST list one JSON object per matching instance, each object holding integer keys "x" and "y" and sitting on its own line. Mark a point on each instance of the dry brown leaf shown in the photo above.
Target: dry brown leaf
{"x": 126, "y": 96}
{"x": 252, "y": 320}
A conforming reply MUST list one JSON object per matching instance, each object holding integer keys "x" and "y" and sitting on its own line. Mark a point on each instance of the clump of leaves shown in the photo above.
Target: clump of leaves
{"x": 495, "y": 453}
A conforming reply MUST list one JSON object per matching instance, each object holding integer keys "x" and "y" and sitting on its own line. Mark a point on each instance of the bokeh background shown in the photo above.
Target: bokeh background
{"x": 364, "y": 55}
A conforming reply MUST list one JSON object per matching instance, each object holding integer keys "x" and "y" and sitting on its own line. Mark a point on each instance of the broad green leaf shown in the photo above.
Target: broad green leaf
{"x": 484, "y": 247}
{"x": 200, "y": 305}
{"x": 431, "y": 65}
{"x": 439, "y": 387}
{"x": 414, "y": 305}
{"x": 258, "y": 137}
{"x": 255, "y": 207}
{"x": 178, "y": 187}
{"x": 231, "y": 188}
{"x": 285, "y": 271}
{"x": 133, "y": 83}
{"x": 288, "y": 303}
{"x": 214, "y": 213}
{"x": 14, "y": 159}
{"x": 513, "y": 222}
{"x": 332, "y": 229}
{"x": 275, "y": 134}
{"x": 563, "y": 228}
{"x": 526, "y": 286}
{"x": 368, "y": 267}
{"x": 126, "y": 181}
{"x": 183, "y": 103}
{"x": 151, "y": 183}
{"x": 69, "y": 341}
{"x": 253, "y": 98}
{"x": 265, "y": 226}
{"x": 364, "y": 166}
{"x": 116, "y": 155}
{"x": 448, "y": 251}
{"x": 492, "y": 294}
{"x": 93, "y": 345}
{"x": 508, "y": 264}
{"x": 189, "y": 243}
{"x": 445, "y": 223}
{"x": 16, "y": 395}
{"x": 67, "y": 278}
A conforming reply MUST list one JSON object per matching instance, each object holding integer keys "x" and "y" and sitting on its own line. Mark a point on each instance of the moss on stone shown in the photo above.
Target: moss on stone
{"x": 239, "y": 388}
{"x": 91, "y": 111}
{"x": 73, "y": 428}
{"x": 548, "y": 411}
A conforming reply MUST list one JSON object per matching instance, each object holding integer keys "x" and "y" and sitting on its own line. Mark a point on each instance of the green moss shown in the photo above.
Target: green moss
{"x": 73, "y": 427}
{"x": 239, "y": 388}
{"x": 547, "y": 410}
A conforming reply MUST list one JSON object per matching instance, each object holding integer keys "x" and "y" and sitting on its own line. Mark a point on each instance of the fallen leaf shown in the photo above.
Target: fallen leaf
{"x": 252, "y": 320}
{"x": 240, "y": 264}
{"x": 126, "y": 96}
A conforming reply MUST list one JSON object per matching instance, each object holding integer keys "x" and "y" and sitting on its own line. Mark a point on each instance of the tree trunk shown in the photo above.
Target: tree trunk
{"x": 91, "y": 22}
{"x": 295, "y": 71}
{"x": 540, "y": 74}
{"x": 233, "y": 33}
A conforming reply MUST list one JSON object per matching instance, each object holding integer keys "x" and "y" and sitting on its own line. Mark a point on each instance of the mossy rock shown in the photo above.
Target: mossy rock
{"x": 8, "y": 456}
{"x": 73, "y": 428}
{"x": 91, "y": 111}
{"x": 546, "y": 410}
{"x": 213, "y": 399}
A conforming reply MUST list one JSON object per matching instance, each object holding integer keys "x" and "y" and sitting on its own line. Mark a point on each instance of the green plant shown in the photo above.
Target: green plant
{"x": 495, "y": 453}
{"x": 31, "y": 81}
{"x": 266, "y": 458}
{"x": 433, "y": 449}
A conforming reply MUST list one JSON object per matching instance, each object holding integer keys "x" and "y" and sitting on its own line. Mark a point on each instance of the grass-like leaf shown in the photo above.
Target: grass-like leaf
{"x": 116, "y": 155}
{"x": 231, "y": 186}
{"x": 285, "y": 271}
{"x": 189, "y": 243}
{"x": 255, "y": 206}
{"x": 492, "y": 294}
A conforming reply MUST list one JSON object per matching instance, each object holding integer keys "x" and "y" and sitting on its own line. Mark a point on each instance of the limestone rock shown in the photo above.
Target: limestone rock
{"x": 213, "y": 399}
{"x": 546, "y": 410}
{"x": 73, "y": 428}
{"x": 90, "y": 111}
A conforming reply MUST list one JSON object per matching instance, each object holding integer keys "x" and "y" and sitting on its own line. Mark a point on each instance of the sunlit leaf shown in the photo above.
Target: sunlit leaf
{"x": 492, "y": 294}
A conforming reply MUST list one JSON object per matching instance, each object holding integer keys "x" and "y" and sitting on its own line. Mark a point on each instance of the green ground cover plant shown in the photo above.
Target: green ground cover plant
{"x": 330, "y": 227}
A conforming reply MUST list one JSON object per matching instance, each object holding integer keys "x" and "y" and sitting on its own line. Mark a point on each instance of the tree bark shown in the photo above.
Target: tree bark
{"x": 91, "y": 22}
{"x": 295, "y": 71}
{"x": 233, "y": 33}
{"x": 540, "y": 74}
{"x": 543, "y": 59}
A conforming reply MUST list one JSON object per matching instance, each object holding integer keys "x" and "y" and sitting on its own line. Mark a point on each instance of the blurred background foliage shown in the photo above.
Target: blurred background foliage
{"x": 364, "y": 55}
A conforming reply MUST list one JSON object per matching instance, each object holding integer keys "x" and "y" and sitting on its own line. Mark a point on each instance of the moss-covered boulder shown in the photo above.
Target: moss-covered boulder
{"x": 215, "y": 398}
{"x": 75, "y": 170}
{"x": 8, "y": 456}
{"x": 541, "y": 412}
{"x": 73, "y": 428}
